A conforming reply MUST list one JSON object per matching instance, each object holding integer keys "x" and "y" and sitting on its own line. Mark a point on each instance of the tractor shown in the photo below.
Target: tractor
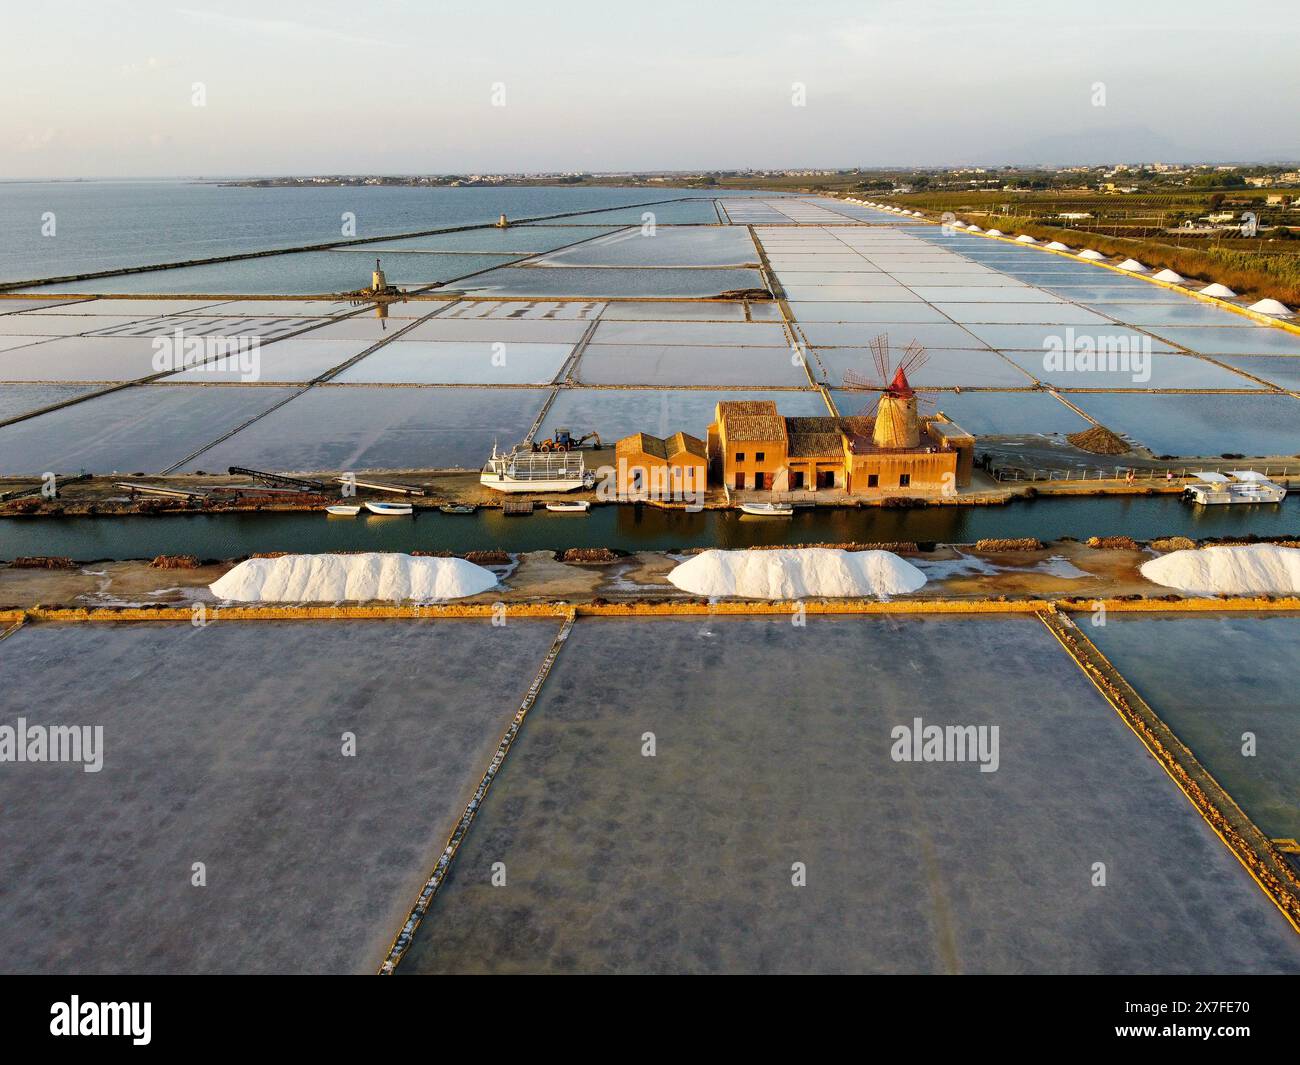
{"x": 564, "y": 440}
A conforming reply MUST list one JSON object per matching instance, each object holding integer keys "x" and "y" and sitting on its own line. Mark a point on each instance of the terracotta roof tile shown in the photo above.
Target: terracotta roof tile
{"x": 759, "y": 427}
{"x": 816, "y": 445}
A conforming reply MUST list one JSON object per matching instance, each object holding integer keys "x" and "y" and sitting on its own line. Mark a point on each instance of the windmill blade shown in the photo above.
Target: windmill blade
{"x": 926, "y": 397}
{"x": 880, "y": 352}
{"x": 914, "y": 357}
{"x": 869, "y": 411}
{"x": 856, "y": 382}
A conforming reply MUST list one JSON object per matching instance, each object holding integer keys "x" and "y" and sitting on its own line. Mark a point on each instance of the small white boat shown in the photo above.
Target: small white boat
{"x": 1240, "y": 486}
{"x": 768, "y": 510}
{"x": 347, "y": 510}
{"x": 390, "y": 509}
{"x": 577, "y": 506}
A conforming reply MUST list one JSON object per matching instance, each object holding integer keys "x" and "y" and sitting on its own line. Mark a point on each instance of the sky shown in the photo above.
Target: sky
{"x": 228, "y": 87}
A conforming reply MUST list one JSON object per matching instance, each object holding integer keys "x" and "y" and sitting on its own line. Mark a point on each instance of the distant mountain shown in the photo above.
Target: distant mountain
{"x": 1107, "y": 144}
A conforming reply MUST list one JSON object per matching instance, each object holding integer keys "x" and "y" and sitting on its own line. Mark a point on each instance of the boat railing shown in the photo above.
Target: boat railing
{"x": 537, "y": 465}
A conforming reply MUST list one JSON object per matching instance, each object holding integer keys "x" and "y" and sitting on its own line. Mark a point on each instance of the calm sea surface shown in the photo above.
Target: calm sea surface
{"x": 101, "y": 225}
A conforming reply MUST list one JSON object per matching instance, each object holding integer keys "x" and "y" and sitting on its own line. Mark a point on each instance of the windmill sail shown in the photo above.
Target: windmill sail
{"x": 893, "y": 412}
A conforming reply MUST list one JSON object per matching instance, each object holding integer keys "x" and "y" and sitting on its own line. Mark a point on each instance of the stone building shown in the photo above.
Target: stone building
{"x": 649, "y": 467}
{"x": 895, "y": 452}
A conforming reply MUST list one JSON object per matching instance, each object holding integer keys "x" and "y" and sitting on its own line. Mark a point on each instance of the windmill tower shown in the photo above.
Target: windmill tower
{"x": 897, "y": 424}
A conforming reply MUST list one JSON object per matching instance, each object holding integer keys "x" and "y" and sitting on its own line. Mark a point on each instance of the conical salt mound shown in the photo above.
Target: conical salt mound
{"x": 796, "y": 573}
{"x": 973, "y": 228}
{"x": 1172, "y": 276}
{"x": 1223, "y": 292}
{"x": 1089, "y": 253}
{"x": 1273, "y": 307}
{"x": 1056, "y": 245}
{"x": 1133, "y": 265}
{"x": 996, "y": 233}
{"x": 1025, "y": 238}
{"x": 1251, "y": 569}
{"x": 364, "y": 577}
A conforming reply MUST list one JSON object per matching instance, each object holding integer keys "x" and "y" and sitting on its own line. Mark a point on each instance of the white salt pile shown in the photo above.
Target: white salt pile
{"x": 1274, "y": 307}
{"x": 1251, "y": 569}
{"x": 1222, "y": 291}
{"x": 1133, "y": 266}
{"x": 797, "y": 573}
{"x": 1089, "y": 253}
{"x": 1056, "y": 245}
{"x": 1172, "y": 276}
{"x": 354, "y": 578}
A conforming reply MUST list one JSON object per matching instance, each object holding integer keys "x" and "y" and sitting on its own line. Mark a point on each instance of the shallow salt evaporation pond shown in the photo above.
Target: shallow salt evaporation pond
{"x": 682, "y": 862}
{"x": 667, "y": 246}
{"x": 983, "y": 308}
{"x": 1214, "y": 679}
{"x": 1201, "y": 424}
{"x": 290, "y": 274}
{"x": 609, "y": 282}
{"x": 378, "y": 427}
{"x": 143, "y": 428}
{"x": 618, "y": 412}
{"x": 312, "y": 858}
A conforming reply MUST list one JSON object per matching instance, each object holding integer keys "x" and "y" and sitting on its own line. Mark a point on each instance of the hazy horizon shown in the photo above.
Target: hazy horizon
{"x": 152, "y": 90}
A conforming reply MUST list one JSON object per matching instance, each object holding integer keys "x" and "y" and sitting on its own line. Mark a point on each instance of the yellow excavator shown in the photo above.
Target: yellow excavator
{"x": 564, "y": 440}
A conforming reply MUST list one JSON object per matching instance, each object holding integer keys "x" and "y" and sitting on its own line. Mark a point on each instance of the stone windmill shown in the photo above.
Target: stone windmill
{"x": 897, "y": 421}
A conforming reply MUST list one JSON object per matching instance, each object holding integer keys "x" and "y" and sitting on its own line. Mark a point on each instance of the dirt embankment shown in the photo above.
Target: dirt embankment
{"x": 1008, "y": 570}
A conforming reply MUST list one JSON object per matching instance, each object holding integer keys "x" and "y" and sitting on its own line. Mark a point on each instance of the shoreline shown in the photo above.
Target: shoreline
{"x": 99, "y": 496}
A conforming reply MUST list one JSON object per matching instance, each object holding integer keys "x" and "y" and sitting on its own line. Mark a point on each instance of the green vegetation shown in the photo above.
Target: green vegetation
{"x": 1264, "y": 266}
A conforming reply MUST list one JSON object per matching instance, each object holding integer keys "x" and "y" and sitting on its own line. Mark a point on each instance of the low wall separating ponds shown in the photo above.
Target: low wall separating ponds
{"x": 632, "y": 528}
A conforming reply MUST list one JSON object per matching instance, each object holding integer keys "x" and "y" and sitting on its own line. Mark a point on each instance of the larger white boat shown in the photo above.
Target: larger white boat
{"x": 524, "y": 470}
{"x": 389, "y": 509}
{"x": 1238, "y": 486}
